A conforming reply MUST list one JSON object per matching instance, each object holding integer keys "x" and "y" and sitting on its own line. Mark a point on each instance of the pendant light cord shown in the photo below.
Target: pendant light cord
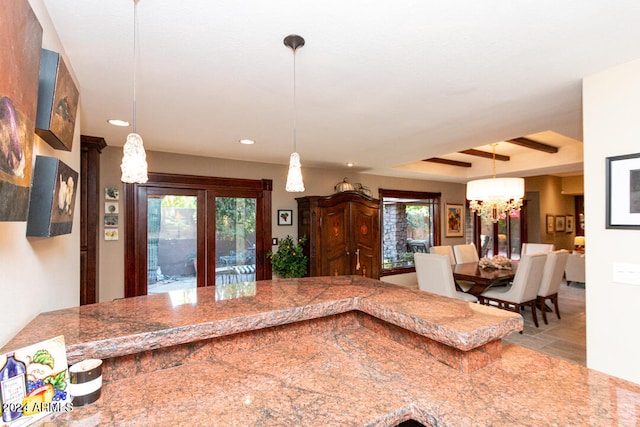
{"x": 135, "y": 56}
{"x": 295, "y": 105}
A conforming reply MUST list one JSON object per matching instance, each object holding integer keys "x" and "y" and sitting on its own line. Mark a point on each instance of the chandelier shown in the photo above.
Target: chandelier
{"x": 495, "y": 198}
{"x": 134, "y": 158}
{"x": 294, "y": 177}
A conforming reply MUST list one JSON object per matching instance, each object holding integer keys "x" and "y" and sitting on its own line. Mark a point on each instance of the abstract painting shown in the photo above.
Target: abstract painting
{"x": 20, "y": 44}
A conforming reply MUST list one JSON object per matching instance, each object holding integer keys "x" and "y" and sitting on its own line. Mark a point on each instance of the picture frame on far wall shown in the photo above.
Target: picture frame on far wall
{"x": 551, "y": 224}
{"x": 569, "y": 224}
{"x": 560, "y": 222}
{"x": 454, "y": 220}
{"x": 285, "y": 217}
{"x": 623, "y": 191}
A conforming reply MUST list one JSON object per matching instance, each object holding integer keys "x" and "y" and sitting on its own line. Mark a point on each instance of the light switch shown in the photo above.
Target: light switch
{"x": 626, "y": 273}
{"x": 274, "y": 241}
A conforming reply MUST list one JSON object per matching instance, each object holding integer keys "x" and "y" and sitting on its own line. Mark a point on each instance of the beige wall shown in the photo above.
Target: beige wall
{"x": 551, "y": 202}
{"x": 318, "y": 182}
{"x": 611, "y": 127}
{"x": 40, "y": 274}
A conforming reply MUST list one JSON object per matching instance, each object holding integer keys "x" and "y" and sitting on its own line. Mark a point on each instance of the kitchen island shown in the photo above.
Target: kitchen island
{"x": 321, "y": 351}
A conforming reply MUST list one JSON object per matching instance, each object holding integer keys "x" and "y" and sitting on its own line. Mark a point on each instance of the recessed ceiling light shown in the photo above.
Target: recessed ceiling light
{"x": 350, "y": 164}
{"x": 247, "y": 141}
{"x": 118, "y": 122}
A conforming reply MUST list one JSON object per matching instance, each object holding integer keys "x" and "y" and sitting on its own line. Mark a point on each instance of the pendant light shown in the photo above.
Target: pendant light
{"x": 495, "y": 198}
{"x": 294, "y": 177}
{"x": 134, "y": 158}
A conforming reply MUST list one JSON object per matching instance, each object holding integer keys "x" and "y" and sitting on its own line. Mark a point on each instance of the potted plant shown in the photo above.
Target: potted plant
{"x": 289, "y": 261}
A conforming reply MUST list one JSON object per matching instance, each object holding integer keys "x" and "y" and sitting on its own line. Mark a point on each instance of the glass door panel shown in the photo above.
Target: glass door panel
{"x": 172, "y": 231}
{"x": 235, "y": 240}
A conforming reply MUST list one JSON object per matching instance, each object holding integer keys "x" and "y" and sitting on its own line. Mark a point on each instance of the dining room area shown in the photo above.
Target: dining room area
{"x": 534, "y": 286}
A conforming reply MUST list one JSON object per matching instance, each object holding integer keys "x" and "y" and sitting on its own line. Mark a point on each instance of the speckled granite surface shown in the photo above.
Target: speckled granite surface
{"x": 328, "y": 355}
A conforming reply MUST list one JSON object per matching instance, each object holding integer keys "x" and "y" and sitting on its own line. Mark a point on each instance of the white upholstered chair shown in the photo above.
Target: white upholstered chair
{"x": 444, "y": 250}
{"x": 536, "y": 248}
{"x": 575, "y": 269}
{"x": 551, "y": 281}
{"x": 466, "y": 253}
{"x": 435, "y": 276}
{"x": 447, "y": 250}
{"x": 523, "y": 291}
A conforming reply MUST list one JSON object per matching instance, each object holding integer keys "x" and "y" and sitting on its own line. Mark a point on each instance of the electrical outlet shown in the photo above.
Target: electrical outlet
{"x": 274, "y": 241}
{"x": 626, "y": 273}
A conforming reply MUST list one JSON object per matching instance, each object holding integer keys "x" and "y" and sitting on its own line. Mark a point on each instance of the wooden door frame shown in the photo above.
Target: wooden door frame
{"x": 135, "y": 251}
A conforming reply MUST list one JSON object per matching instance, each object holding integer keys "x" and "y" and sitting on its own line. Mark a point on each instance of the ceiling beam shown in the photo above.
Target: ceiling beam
{"x": 534, "y": 145}
{"x": 448, "y": 162}
{"x": 485, "y": 154}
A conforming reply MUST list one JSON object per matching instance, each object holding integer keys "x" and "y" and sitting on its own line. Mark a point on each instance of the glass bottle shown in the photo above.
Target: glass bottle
{"x": 13, "y": 388}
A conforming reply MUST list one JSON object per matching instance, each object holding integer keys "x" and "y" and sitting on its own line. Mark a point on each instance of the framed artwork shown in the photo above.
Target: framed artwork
{"x": 57, "y": 102}
{"x": 560, "y": 222}
{"x": 111, "y": 234}
{"x": 569, "y": 224}
{"x": 285, "y": 217}
{"x": 623, "y": 191}
{"x": 551, "y": 224}
{"x": 53, "y": 198}
{"x": 110, "y": 221}
{"x": 111, "y": 193}
{"x": 454, "y": 217}
{"x": 20, "y": 46}
{"x": 111, "y": 208}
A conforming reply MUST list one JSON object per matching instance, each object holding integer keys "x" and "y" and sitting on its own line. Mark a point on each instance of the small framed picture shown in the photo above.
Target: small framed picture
{"x": 454, "y": 218}
{"x": 111, "y": 208}
{"x": 569, "y": 224}
{"x": 111, "y": 193}
{"x": 111, "y": 234}
{"x": 560, "y": 222}
{"x": 111, "y": 221}
{"x": 623, "y": 191}
{"x": 285, "y": 217}
{"x": 551, "y": 224}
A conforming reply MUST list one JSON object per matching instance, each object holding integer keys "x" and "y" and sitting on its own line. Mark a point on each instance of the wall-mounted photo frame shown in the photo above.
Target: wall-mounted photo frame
{"x": 110, "y": 221}
{"x": 570, "y": 224}
{"x": 285, "y": 217}
{"x": 454, "y": 219}
{"x": 560, "y": 222}
{"x": 111, "y": 193}
{"x": 551, "y": 224}
{"x": 111, "y": 234}
{"x": 111, "y": 208}
{"x": 623, "y": 192}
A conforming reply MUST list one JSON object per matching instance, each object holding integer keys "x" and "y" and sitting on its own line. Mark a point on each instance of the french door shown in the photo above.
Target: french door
{"x": 192, "y": 231}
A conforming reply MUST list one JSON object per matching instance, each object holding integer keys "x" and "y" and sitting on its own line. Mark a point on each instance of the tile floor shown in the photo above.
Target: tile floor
{"x": 564, "y": 338}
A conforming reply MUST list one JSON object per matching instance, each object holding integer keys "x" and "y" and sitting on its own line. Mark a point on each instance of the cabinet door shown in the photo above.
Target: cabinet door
{"x": 365, "y": 238}
{"x": 335, "y": 240}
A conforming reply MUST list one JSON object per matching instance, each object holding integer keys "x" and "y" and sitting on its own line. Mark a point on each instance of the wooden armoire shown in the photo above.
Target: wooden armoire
{"x": 343, "y": 234}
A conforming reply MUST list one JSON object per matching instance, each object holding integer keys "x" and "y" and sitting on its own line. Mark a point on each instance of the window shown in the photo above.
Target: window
{"x": 410, "y": 224}
{"x": 504, "y": 237}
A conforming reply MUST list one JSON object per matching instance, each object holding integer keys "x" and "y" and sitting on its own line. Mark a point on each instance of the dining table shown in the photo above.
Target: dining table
{"x": 483, "y": 278}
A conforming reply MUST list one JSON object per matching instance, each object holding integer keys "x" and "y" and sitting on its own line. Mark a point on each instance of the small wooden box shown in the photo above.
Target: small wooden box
{"x": 57, "y": 102}
{"x": 53, "y": 198}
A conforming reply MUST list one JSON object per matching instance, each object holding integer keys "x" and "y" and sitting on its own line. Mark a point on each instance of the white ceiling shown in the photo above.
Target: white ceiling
{"x": 382, "y": 84}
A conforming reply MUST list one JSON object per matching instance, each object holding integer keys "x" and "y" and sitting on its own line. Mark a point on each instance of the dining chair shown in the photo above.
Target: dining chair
{"x": 536, "y": 248}
{"x": 466, "y": 253}
{"x": 435, "y": 276}
{"x": 551, "y": 281}
{"x": 447, "y": 250}
{"x": 523, "y": 291}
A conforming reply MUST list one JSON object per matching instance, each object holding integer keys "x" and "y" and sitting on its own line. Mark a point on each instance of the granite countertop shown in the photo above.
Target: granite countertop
{"x": 320, "y": 352}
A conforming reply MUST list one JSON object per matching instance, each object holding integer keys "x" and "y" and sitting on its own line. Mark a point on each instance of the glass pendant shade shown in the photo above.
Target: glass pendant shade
{"x": 134, "y": 160}
{"x": 495, "y": 198}
{"x": 294, "y": 177}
